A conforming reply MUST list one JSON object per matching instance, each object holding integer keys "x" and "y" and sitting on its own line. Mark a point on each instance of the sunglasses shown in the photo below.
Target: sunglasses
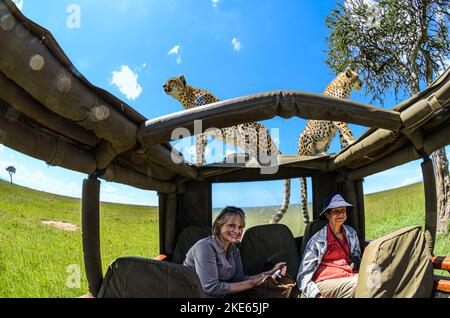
{"x": 232, "y": 209}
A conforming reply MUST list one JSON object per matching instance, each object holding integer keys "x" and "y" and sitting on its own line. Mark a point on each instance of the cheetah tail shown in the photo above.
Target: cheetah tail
{"x": 282, "y": 211}
{"x": 304, "y": 193}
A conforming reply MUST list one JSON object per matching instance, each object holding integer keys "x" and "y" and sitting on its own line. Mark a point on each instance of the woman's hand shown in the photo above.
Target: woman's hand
{"x": 258, "y": 280}
{"x": 282, "y": 266}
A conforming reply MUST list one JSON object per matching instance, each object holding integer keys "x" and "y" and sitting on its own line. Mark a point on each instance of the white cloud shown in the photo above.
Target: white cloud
{"x": 236, "y": 44}
{"x": 394, "y": 178}
{"x": 39, "y": 180}
{"x": 215, "y": 3}
{"x": 411, "y": 180}
{"x": 109, "y": 189}
{"x": 176, "y": 51}
{"x": 19, "y": 4}
{"x": 127, "y": 82}
{"x": 35, "y": 174}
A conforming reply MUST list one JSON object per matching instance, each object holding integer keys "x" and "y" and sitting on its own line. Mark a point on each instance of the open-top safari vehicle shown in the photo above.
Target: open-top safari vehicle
{"x": 49, "y": 111}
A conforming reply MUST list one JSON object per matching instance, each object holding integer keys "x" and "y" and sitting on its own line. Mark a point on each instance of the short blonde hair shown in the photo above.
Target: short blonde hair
{"x": 226, "y": 215}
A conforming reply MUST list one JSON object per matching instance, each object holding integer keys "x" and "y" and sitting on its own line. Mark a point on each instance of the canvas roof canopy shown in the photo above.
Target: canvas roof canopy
{"x": 49, "y": 111}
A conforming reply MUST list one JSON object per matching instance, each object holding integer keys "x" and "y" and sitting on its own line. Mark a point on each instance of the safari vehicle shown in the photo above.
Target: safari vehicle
{"x": 49, "y": 111}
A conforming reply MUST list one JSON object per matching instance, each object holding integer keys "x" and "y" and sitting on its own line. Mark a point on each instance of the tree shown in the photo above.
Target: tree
{"x": 11, "y": 170}
{"x": 398, "y": 46}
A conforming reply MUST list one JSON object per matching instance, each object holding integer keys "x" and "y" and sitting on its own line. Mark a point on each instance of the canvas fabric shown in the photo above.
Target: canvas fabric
{"x": 397, "y": 265}
{"x": 264, "y": 246}
{"x": 187, "y": 239}
{"x": 147, "y": 278}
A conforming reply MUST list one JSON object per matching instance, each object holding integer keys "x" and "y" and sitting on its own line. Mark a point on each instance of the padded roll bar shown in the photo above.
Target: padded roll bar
{"x": 90, "y": 211}
{"x": 286, "y": 104}
{"x": 429, "y": 183}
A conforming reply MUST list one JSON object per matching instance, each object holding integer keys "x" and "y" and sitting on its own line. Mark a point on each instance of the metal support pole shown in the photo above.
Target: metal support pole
{"x": 429, "y": 182}
{"x": 90, "y": 207}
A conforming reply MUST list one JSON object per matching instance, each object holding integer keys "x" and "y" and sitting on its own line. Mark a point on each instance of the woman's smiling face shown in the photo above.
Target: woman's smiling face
{"x": 231, "y": 231}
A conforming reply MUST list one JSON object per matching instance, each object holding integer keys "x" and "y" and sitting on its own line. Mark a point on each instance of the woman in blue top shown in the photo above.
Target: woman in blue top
{"x": 217, "y": 260}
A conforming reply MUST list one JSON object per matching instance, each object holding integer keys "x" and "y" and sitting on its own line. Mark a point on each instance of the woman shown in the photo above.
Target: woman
{"x": 329, "y": 267}
{"x": 217, "y": 260}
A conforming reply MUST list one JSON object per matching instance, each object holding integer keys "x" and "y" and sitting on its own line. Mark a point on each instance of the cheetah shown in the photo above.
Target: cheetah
{"x": 253, "y": 137}
{"x": 318, "y": 134}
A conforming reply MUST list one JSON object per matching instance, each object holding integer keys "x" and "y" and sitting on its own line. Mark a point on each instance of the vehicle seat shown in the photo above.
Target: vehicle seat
{"x": 188, "y": 237}
{"x": 135, "y": 277}
{"x": 266, "y": 245}
{"x": 396, "y": 265}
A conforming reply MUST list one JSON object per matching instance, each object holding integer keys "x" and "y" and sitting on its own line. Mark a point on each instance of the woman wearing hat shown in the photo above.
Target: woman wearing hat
{"x": 329, "y": 267}
{"x": 217, "y": 260}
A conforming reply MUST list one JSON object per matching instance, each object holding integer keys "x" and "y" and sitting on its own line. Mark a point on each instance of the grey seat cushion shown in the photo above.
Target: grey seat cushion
{"x": 188, "y": 237}
{"x": 396, "y": 265}
{"x": 134, "y": 277}
{"x": 264, "y": 246}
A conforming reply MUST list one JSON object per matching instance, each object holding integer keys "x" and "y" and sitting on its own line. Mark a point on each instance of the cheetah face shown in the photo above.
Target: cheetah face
{"x": 353, "y": 78}
{"x": 175, "y": 87}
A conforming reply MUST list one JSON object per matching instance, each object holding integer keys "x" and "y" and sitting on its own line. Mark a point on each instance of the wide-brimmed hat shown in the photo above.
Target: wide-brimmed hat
{"x": 335, "y": 200}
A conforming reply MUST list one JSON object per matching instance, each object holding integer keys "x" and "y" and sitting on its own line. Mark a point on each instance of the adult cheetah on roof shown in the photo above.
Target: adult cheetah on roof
{"x": 318, "y": 134}
{"x": 253, "y": 137}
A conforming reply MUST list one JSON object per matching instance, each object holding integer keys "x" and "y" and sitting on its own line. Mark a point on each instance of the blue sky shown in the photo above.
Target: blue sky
{"x": 230, "y": 47}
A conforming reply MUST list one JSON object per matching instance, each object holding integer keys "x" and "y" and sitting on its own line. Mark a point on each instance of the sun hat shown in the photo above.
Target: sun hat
{"x": 335, "y": 200}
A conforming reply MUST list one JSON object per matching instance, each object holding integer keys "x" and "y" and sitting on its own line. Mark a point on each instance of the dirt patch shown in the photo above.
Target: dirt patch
{"x": 61, "y": 225}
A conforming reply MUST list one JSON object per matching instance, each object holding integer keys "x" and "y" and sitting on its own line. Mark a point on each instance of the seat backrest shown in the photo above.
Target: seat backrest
{"x": 188, "y": 237}
{"x": 311, "y": 229}
{"x": 134, "y": 277}
{"x": 264, "y": 246}
{"x": 396, "y": 265}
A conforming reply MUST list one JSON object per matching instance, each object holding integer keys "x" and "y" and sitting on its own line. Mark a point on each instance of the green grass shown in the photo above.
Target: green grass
{"x": 34, "y": 258}
{"x": 395, "y": 209}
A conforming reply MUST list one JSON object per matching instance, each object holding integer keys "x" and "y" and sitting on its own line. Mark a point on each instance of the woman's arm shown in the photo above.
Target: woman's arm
{"x": 282, "y": 266}
{"x": 308, "y": 267}
{"x": 243, "y": 283}
{"x": 247, "y": 284}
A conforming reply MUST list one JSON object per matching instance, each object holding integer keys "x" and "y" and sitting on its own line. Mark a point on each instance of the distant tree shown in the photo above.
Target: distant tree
{"x": 399, "y": 45}
{"x": 11, "y": 170}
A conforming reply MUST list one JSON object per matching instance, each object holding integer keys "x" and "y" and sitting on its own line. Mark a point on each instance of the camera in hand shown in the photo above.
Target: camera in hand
{"x": 277, "y": 276}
